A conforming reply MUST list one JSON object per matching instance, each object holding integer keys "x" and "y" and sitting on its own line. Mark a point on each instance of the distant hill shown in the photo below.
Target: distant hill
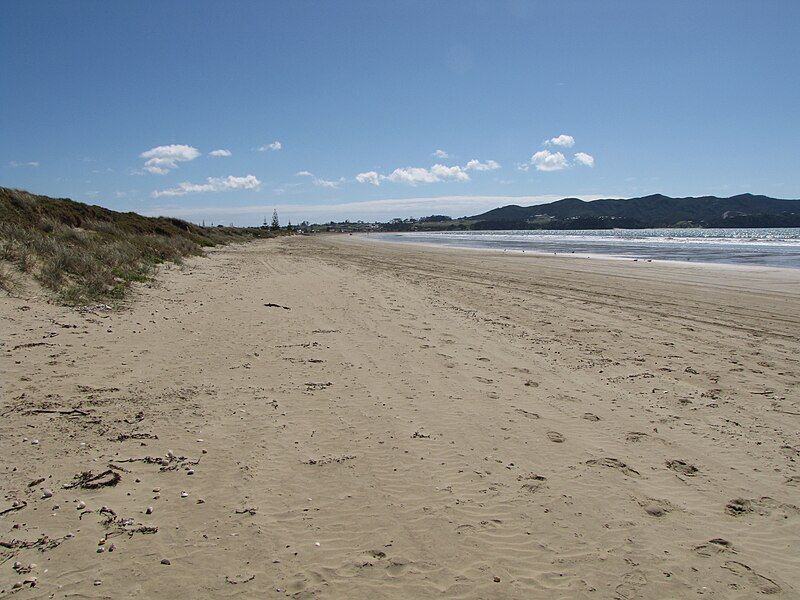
{"x": 744, "y": 210}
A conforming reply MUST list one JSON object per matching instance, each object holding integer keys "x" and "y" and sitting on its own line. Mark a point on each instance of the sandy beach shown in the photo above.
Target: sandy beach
{"x": 334, "y": 417}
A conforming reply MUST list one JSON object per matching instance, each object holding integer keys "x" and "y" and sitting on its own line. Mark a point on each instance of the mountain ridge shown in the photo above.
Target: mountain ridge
{"x": 654, "y": 210}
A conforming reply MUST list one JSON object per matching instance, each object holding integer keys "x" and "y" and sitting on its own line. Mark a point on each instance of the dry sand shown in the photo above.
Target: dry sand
{"x": 416, "y": 423}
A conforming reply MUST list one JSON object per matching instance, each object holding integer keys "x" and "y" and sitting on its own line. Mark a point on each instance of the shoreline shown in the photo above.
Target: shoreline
{"x": 789, "y": 272}
{"x": 352, "y": 420}
{"x": 575, "y": 254}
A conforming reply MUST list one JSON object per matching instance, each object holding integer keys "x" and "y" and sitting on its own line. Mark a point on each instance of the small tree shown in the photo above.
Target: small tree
{"x": 276, "y": 224}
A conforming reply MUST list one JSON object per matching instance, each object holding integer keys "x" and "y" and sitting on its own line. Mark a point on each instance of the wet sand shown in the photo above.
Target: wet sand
{"x": 355, "y": 419}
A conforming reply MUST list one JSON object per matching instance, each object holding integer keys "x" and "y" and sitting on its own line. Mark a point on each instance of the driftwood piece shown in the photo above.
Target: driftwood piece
{"x": 90, "y": 481}
{"x": 56, "y": 411}
{"x": 18, "y": 505}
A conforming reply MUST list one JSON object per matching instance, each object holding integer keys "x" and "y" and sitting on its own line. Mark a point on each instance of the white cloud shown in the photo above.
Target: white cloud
{"x": 584, "y": 159}
{"x": 162, "y": 159}
{"x": 476, "y": 165}
{"x": 563, "y": 140}
{"x": 327, "y": 183}
{"x": 369, "y": 177}
{"x": 276, "y": 145}
{"x": 435, "y": 174}
{"x": 445, "y": 173}
{"x": 16, "y": 164}
{"x": 441, "y": 154}
{"x": 412, "y": 176}
{"x": 544, "y": 160}
{"x": 212, "y": 184}
{"x": 220, "y": 152}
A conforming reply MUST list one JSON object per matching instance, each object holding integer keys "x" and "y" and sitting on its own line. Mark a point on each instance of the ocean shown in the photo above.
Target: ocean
{"x": 755, "y": 247}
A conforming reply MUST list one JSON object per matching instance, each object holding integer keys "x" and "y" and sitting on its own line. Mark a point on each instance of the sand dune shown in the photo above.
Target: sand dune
{"x": 338, "y": 418}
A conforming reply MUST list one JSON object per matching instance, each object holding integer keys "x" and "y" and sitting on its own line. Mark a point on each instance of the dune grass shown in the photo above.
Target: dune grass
{"x": 86, "y": 253}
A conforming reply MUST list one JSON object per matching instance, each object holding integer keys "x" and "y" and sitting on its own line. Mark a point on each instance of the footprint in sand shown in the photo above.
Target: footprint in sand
{"x": 590, "y": 417}
{"x": 715, "y": 546}
{"x": 765, "y": 585}
{"x": 533, "y": 483}
{"x": 682, "y": 467}
{"x": 556, "y": 437}
{"x": 656, "y": 507}
{"x": 613, "y": 463}
{"x": 764, "y": 506}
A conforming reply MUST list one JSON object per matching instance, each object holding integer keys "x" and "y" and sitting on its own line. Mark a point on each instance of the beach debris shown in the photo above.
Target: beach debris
{"x": 418, "y": 435}
{"x": 47, "y": 493}
{"x": 239, "y": 579}
{"x": 22, "y": 569}
{"x": 55, "y": 411}
{"x": 90, "y": 481}
{"x": 273, "y": 305}
{"x": 134, "y": 436}
{"x": 242, "y": 511}
{"x": 136, "y": 418}
{"x": 148, "y": 510}
{"x": 170, "y": 463}
{"x": 43, "y": 543}
{"x": 36, "y": 482}
{"x": 317, "y": 386}
{"x": 184, "y": 494}
{"x": 329, "y": 459}
{"x": 526, "y": 413}
{"x": 81, "y": 505}
{"x": 165, "y": 561}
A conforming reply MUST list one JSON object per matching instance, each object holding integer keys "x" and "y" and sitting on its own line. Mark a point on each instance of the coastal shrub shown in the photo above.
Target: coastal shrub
{"x": 7, "y": 279}
{"x": 87, "y": 253}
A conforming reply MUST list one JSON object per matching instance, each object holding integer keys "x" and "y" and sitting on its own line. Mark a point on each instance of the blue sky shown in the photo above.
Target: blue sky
{"x": 338, "y": 109}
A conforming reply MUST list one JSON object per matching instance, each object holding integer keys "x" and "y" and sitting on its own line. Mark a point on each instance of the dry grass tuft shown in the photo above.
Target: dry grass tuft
{"x": 88, "y": 253}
